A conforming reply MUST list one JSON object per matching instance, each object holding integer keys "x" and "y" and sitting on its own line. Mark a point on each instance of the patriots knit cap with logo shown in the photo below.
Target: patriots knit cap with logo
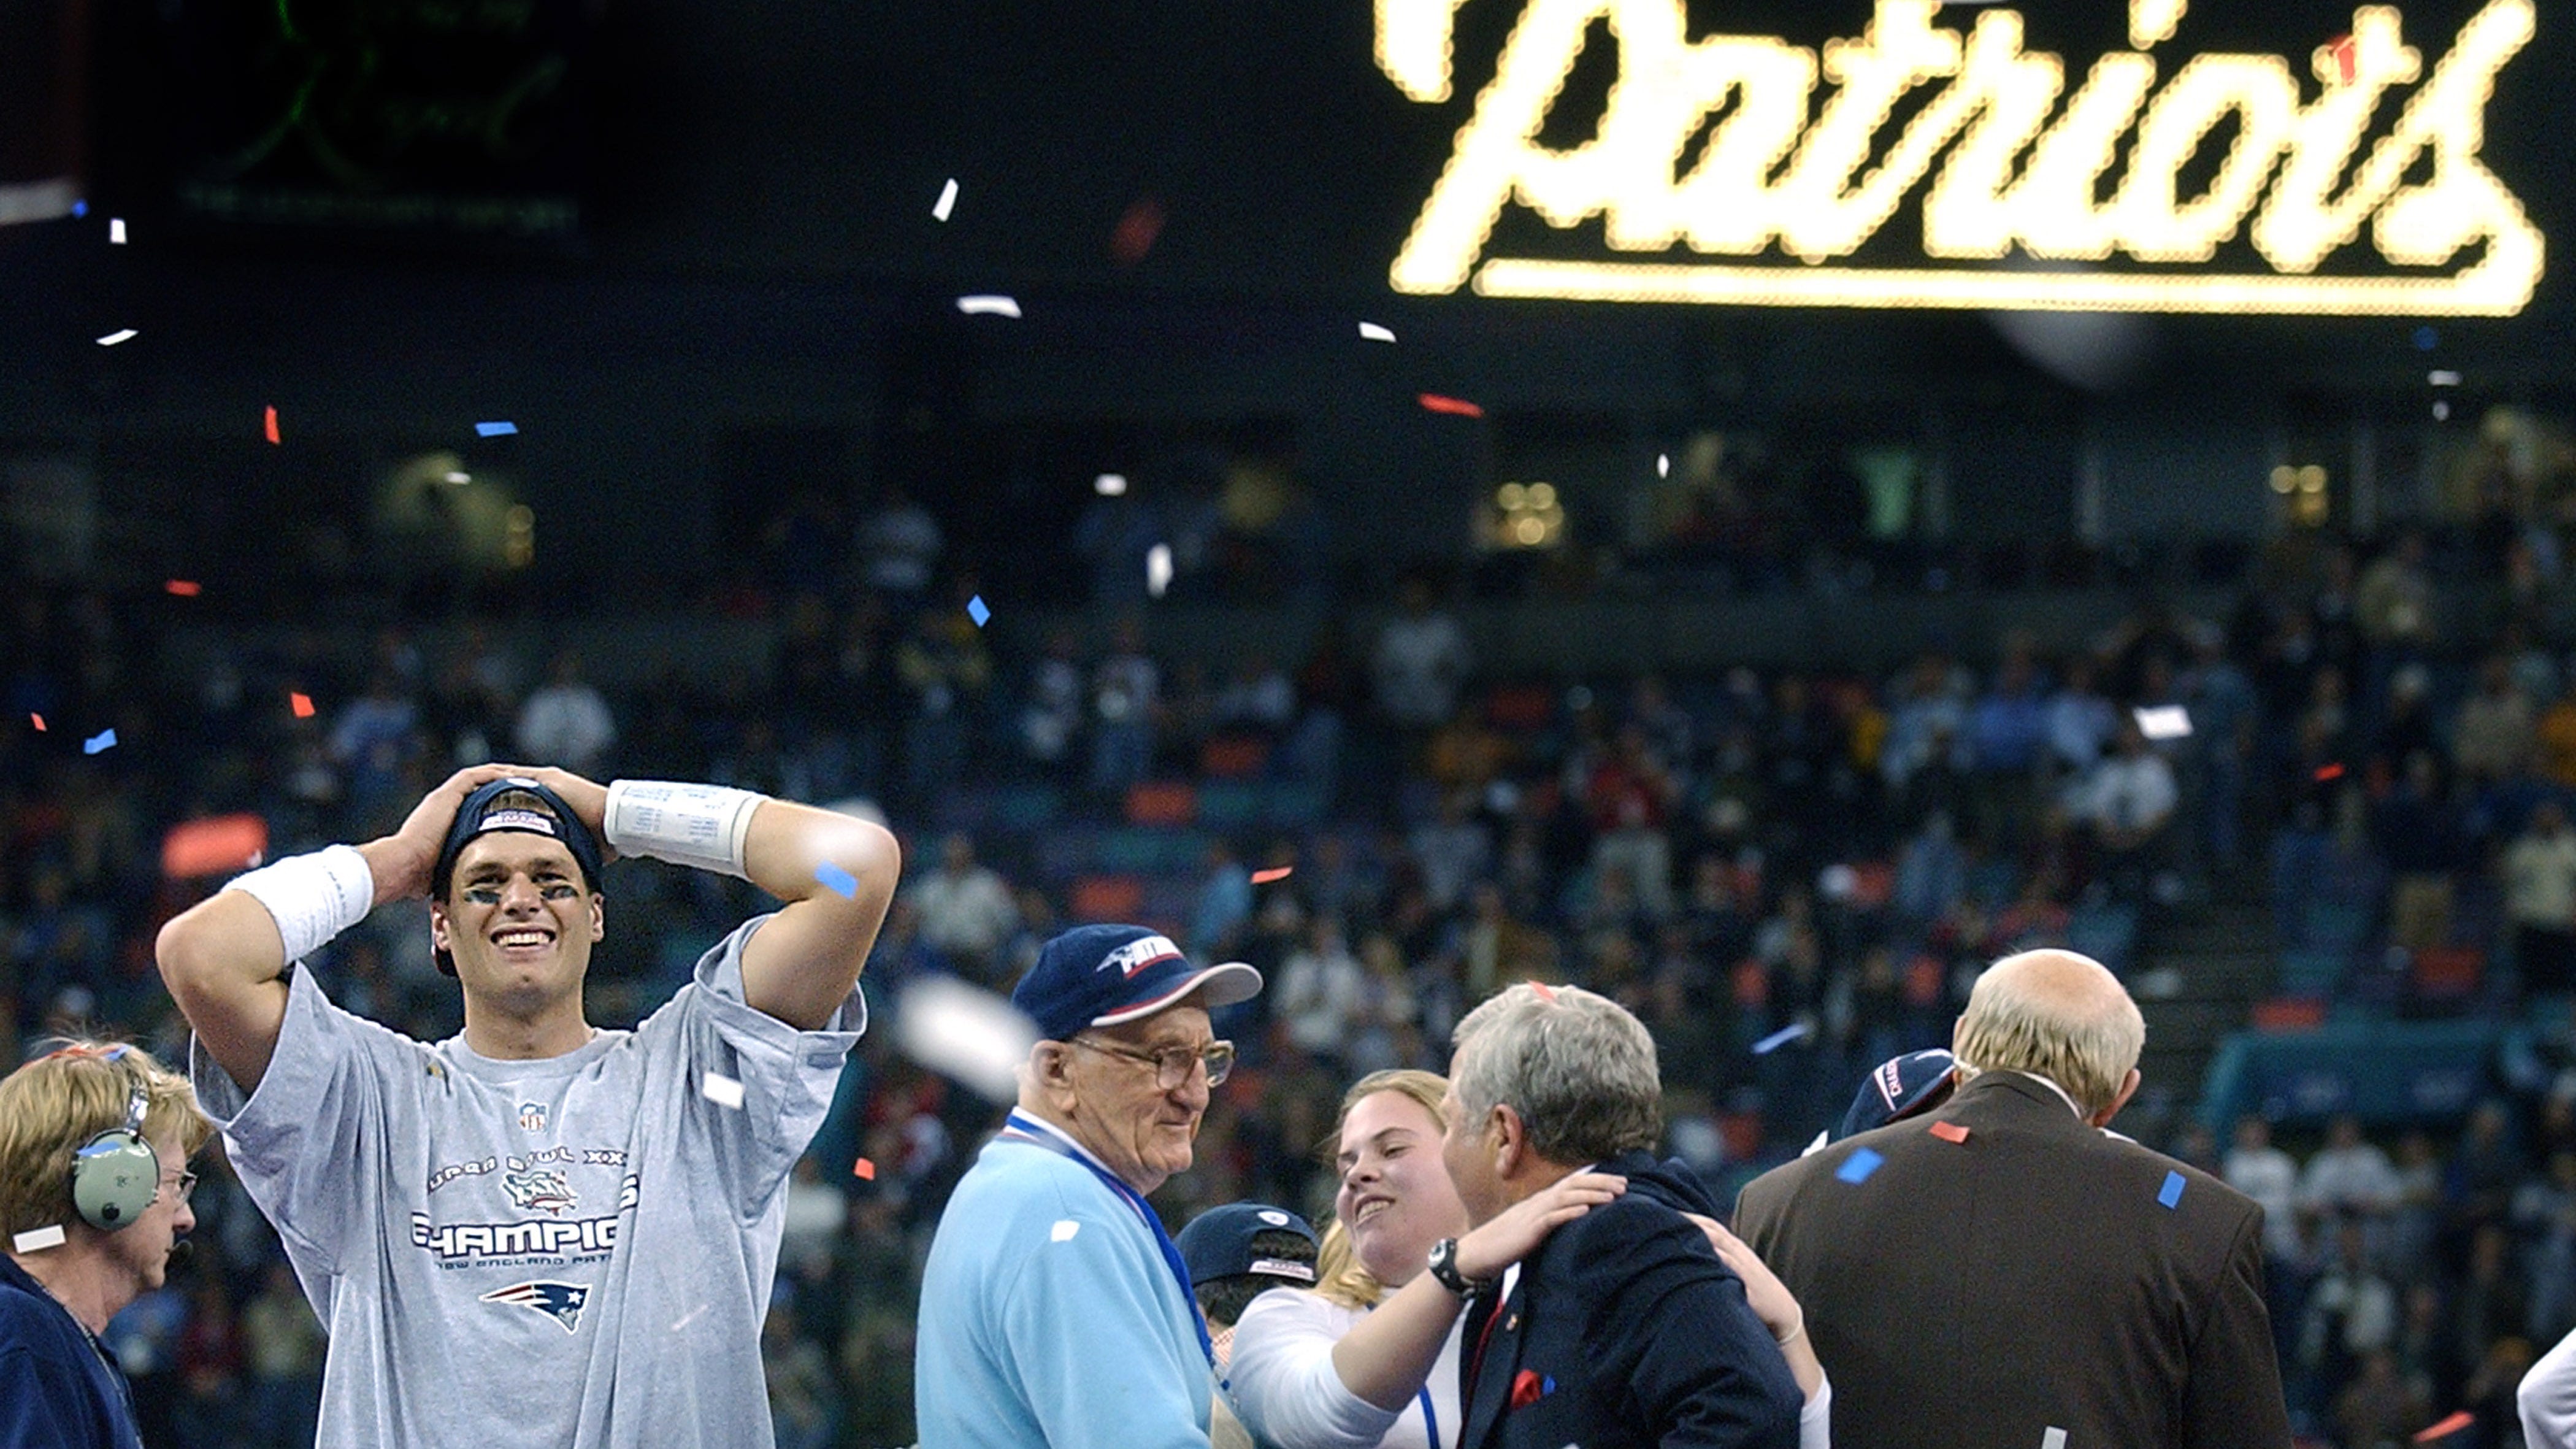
{"x": 513, "y": 802}
{"x": 1105, "y": 975}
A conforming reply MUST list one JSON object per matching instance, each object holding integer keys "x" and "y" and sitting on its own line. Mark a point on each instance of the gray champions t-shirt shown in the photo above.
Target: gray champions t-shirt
{"x": 569, "y": 1252}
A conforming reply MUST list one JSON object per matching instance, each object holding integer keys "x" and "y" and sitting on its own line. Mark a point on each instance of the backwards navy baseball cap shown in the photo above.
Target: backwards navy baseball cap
{"x": 512, "y": 802}
{"x": 1899, "y": 1088}
{"x": 1106, "y": 975}
{"x": 1218, "y": 1244}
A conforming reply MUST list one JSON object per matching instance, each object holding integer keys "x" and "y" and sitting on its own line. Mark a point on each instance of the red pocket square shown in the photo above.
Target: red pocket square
{"x": 1525, "y": 1389}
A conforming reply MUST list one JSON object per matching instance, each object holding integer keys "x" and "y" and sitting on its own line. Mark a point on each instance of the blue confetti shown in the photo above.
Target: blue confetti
{"x": 2171, "y": 1193}
{"x": 103, "y": 740}
{"x": 843, "y": 884}
{"x": 80, "y": 208}
{"x": 1858, "y": 1166}
{"x": 976, "y": 611}
{"x": 1780, "y": 1038}
{"x": 2426, "y": 339}
{"x": 494, "y": 430}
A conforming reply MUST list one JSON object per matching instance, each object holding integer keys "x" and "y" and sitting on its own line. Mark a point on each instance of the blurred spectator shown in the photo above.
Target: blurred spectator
{"x": 1051, "y": 703}
{"x": 2494, "y": 735}
{"x": 2128, "y": 799}
{"x": 1421, "y": 660}
{"x": 567, "y": 722}
{"x": 1126, "y": 707}
{"x": 2540, "y": 900}
{"x": 2393, "y": 604}
{"x": 966, "y": 911}
{"x": 2080, "y": 721}
{"x": 2418, "y": 835}
{"x": 898, "y": 547}
{"x": 2352, "y": 1313}
{"x": 2349, "y": 1177}
{"x": 799, "y": 1378}
{"x": 284, "y": 1343}
{"x": 946, "y": 673}
{"x": 1321, "y": 994}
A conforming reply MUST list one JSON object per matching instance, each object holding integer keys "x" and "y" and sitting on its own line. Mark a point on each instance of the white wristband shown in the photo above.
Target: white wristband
{"x": 313, "y": 897}
{"x": 695, "y": 825}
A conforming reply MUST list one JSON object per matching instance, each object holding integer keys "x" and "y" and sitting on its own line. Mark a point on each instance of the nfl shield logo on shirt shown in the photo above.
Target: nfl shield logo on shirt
{"x": 532, "y": 1116}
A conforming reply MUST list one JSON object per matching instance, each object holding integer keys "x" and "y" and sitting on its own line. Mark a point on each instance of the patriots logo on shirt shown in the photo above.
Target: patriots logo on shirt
{"x": 542, "y": 1189}
{"x": 1140, "y": 953}
{"x": 561, "y": 1302}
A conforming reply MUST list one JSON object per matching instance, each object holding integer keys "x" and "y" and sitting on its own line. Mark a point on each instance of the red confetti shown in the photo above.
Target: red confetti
{"x": 1137, "y": 229}
{"x": 1460, "y": 406}
{"x": 1949, "y": 1131}
{"x": 2329, "y": 772}
{"x": 1265, "y": 877}
{"x": 302, "y": 704}
{"x": 865, "y": 1170}
{"x": 1545, "y": 992}
{"x": 2447, "y": 1427}
{"x": 272, "y": 425}
{"x": 40, "y": 722}
{"x": 184, "y": 588}
{"x": 2341, "y": 49}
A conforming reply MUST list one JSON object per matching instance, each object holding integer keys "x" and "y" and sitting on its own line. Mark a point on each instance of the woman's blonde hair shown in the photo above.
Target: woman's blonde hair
{"x": 53, "y": 1106}
{"x": 1340, "y": 1277}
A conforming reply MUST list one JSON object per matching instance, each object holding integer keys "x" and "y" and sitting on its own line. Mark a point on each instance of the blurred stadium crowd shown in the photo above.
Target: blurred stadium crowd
{"x": 1390, "y": 829}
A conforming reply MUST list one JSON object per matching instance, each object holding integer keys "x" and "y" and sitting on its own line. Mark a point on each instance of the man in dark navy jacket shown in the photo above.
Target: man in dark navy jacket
{"x": 1625, "y": 1328}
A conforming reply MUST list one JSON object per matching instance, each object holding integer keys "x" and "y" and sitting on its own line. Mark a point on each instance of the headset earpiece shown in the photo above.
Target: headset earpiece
{"x": 116, "y": 1175}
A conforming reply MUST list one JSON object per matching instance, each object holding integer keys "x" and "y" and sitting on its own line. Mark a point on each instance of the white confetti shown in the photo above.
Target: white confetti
{"x": 988, "y": 304}
{"x": 1158, "y": 569}
{"x": 722, "y": 1090}
{"x": 2055, "y": 1438}
{"x": 1109, "y": 485}
{"x": 2442, "y": 377}
{"x": 116, "y": 231}
{"x": 685, "y": 1319}
{"x": 38, "y": 1239}
{"x": 1063, "y": 1230}
{"x": 2163, "y": 722}
{"x": 1663, "y": 465}
{"x": 947, "y": 200}
{"x": 1371, "y": 332}
{"x": 964, "y": 1032}
{"x": 122, "y": 334}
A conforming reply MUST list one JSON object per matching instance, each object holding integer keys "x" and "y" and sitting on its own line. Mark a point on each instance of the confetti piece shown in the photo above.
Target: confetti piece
{"x": 1137, "y": 228}
{"x": 2441, "y": 412}
{"x": 122, "y": 334}
{"x": 2163, "y": 721}
{"x": 1158, "y": 569}
{"x": 965, "y": 1032}
{"x": 80, "y": 208}
{"x": 947, "y": 200}
{"x": 988, "y": 304}
{"x": 978, "y": 610}
{"x": 2446, "y": 1428}
{"x": 302, "y": 704}
{"x": 495, "y": 430}
{"x": 184, "y": 588}
{"x": 103, "y": 740}
{"x": 1109, "y": 485}
{"x": 722, "y": 1090}
{"x": 116, "y": 231}
{"x": 2055, "y": 1438}
{"x": 40, "y": 722}
{"x": 1265, "y": 877}
{"x": 864, "y": 1170}
{"x": 692, "y": 1316}
{"x": 1063, "y": 1230}
{"x": 270, "y": 423}
{"x": 2341, "y": 49}
{"x": 1949, "y": 1131}
{"x": 1780, "y": 1038}
{"x": 841, "y": 882}
{"x": 1460, "y": 406}
{"x": 2442, "y": 377}
{"x": 2329, "y": 772}
{"x": 2426, "y": 338}
{"x": 1545, "y": 992}
{"x": 1371, "y": 332}
{"x": 1663, "y": 465}
{"x": 2171, "y": 1192}
{"x": 1858, "y": 1166}
{"x": 38, "y": 1239}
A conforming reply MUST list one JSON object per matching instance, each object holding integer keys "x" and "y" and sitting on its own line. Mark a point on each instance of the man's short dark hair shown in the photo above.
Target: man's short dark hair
{"x": 1224, "y": 1299}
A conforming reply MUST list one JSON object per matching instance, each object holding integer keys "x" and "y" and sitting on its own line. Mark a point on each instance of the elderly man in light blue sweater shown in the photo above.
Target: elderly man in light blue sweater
{"x": 1055, "y": 1309}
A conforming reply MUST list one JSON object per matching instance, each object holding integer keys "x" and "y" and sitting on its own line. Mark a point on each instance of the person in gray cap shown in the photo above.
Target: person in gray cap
{"x": 1055, "y": 1308}
{"x": 536, "y": 1232}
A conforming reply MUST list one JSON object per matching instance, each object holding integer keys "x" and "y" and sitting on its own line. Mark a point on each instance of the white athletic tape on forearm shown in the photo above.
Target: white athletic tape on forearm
{"x": 696, "y": 825}
{"x": 313, "y": 897}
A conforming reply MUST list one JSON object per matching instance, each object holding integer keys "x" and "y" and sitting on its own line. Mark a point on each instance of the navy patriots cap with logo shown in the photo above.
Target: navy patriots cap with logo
{"x": 1899, "y": 1088}
{"x": 1218, "y": 1244}
{"x": 1105, "y": 975}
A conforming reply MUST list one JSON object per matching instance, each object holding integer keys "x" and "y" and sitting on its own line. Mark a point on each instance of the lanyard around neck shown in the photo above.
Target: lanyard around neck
{"x": 1020, "y": 1128}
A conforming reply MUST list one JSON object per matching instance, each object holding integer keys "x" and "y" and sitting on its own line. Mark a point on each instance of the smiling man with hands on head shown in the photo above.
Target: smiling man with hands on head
{"x": 536, "y": 1232}
{"x": 1055, "y": 1308}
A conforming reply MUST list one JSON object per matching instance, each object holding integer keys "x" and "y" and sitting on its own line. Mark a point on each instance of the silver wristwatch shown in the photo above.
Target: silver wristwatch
{"x": 1443, "y": 1265}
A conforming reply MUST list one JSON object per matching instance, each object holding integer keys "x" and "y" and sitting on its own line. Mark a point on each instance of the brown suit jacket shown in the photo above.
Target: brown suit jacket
{"x": 1976, "y": 1294}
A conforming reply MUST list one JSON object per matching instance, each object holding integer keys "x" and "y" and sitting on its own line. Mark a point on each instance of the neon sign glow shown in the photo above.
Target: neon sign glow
{"x": 2008, "y": 166}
